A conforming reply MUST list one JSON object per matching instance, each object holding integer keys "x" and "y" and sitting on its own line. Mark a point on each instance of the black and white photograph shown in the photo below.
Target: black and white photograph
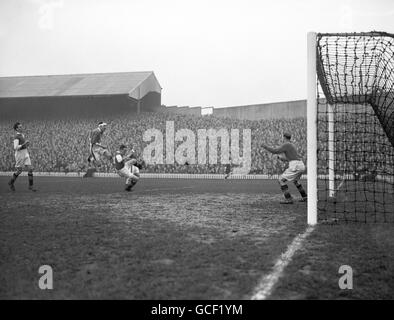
{"x": 211, "y": 152}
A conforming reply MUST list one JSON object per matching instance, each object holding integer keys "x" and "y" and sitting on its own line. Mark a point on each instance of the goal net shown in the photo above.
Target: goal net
{"x": 354, "y": 96}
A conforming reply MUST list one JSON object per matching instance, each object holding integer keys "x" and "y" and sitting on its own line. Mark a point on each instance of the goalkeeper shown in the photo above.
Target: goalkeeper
{"x": 293, "y": 172}
{"x": 127, "y": 166}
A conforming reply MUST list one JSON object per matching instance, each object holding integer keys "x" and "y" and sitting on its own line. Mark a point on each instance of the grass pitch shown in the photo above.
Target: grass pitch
{"x": 178, "y": 239}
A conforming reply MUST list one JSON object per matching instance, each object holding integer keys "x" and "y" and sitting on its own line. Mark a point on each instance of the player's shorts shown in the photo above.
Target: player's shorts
{"x": 135, "y": 171}
{"x": 129, "y": 172}
{"x": 22, "y": 158}
{"x": 294, "y": 171}
{"x": 99, "y": 153}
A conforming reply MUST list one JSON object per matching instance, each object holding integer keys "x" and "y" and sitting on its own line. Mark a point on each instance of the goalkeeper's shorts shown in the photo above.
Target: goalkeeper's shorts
{"x": 294, "y": 171}
{"x": 22, "y": 158}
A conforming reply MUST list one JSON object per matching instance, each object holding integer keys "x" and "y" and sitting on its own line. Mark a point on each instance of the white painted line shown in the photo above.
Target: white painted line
{"x": 267, "y": 283}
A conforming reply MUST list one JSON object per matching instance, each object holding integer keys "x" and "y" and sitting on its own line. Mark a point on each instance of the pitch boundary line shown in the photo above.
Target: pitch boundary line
{"x": 267, "y": 283}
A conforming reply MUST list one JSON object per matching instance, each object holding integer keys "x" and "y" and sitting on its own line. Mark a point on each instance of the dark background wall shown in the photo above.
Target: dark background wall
{"x": 151, "y": 102}
{"x": 288, "y": 109}
{"x": 75, "y": 106}
{"x": 195, "y": 111}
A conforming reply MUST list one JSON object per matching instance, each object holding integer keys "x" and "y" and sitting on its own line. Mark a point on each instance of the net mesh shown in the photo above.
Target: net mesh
{"x": 355, "y": 99}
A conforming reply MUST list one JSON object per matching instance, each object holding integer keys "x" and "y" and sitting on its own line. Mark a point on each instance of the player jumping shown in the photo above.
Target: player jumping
{"x": 97, "y": 152}
{"x": 126, "y": 167}
{"x": 22, "y": 158}
{"x": 293, "y": 172}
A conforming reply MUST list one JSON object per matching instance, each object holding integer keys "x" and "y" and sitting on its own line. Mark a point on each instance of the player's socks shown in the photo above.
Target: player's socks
{"x": 30, "y": 176}
{"x": 13, "y": 179}
{"x": 301, "y": 190}
{"x": 286, "y": 193}
{"x": 285, "y": 190}
{"x": 11, "y": 184}
{"x": 130, "y": 185}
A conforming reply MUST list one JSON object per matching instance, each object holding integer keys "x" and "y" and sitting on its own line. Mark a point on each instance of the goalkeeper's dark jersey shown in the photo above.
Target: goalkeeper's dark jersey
{"x": 289, "y": 150}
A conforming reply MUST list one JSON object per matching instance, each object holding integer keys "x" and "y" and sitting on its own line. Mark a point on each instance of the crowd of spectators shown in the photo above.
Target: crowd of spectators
{"x": 360, "y": 144}
{"x": 63, "y": 145}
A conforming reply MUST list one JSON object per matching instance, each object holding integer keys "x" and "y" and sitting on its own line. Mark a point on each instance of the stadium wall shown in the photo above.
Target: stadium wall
{"x": 151, "y": 102}
{"x": 278, "y": 110}
{"x": 70, "y": 106}
{"x": 195, "y": 111}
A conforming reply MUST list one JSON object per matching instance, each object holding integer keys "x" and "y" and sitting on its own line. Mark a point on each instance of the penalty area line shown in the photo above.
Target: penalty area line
{"x": 267, "y": 283}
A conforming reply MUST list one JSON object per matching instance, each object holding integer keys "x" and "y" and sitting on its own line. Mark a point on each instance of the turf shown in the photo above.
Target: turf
{"x": 175, "y": 239}
{"x": 367, "y": 248}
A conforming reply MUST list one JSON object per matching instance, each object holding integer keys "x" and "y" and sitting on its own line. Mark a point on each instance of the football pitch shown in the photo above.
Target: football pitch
{"x": 181, "y": 239}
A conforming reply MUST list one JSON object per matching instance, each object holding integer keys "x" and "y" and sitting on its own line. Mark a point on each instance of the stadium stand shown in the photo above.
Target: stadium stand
{"x": 62, "y": 145}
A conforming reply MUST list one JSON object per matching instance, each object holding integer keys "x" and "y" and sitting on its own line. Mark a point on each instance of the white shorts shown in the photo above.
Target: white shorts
{"x": 129, "y": 171}
{"x": 294, "y": 171}
{"x": 22, "y": 158}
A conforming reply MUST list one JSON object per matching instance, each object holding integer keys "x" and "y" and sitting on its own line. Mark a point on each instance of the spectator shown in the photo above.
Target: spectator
{"x": 61, "y": 145}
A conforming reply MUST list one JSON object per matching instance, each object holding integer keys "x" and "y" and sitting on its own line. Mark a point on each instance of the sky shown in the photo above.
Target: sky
{"x": 208, "y": 53}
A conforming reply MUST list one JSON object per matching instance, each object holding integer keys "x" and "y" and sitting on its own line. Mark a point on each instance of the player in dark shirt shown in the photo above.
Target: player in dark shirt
{"x": 22, "y": 158}
{"x": 97, "y": 152}
{"x": 293, "y": 172}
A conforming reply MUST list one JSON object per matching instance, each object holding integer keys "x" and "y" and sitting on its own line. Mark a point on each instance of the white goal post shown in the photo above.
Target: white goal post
{"x": 311, "y": 128}
{"x": 312, "y": 133}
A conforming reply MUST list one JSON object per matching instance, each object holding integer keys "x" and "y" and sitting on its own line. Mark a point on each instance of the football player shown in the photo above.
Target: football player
{"x": 294, "y": 171}
{"x": 97, "y": 152}
{"x": 127, "y": 167}
{"x": 22, "y": 157}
